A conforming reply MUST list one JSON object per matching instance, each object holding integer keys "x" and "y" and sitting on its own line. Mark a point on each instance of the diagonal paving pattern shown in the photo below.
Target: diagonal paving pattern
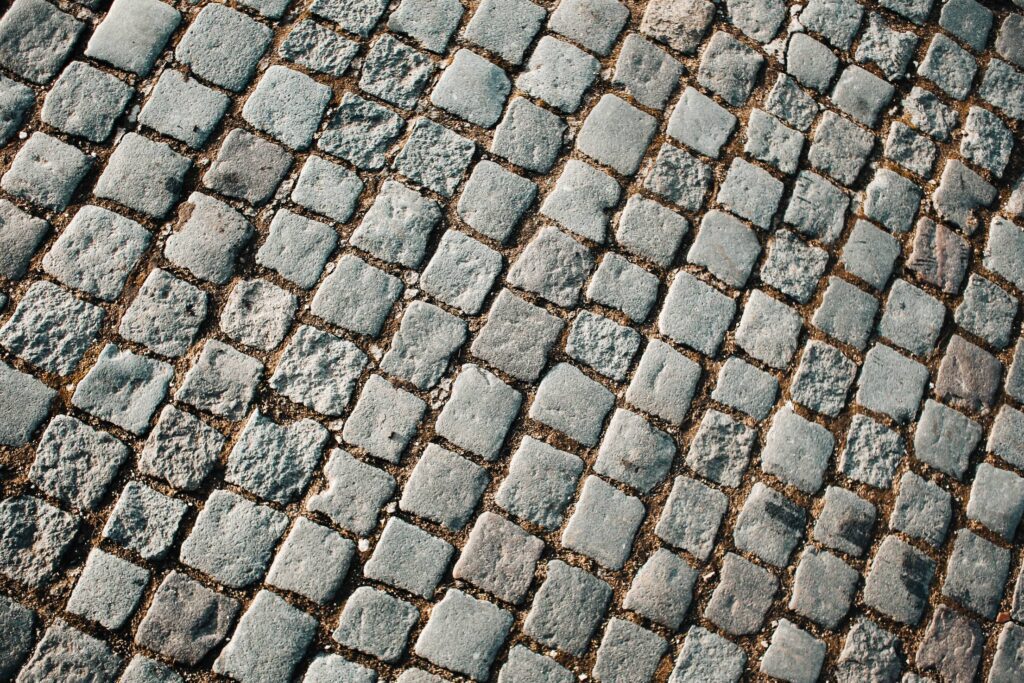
{"x": 511, "y": 340}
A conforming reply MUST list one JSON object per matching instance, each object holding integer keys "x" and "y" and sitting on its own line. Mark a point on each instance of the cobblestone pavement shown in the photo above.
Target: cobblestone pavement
{"x": 438, "y": 340}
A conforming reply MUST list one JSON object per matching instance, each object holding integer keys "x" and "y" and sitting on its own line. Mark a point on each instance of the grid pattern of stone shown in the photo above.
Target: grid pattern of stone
{"x": 434, "y": 340}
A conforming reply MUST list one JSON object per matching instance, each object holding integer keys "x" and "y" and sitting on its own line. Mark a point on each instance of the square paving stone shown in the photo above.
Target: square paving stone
{"x": 165, "y": 315}
{"x": 662, "y": 589}
{"x": 960, "y": 194}
{"x": 434, "y": 157}
{"x": 221, "y": 381}
{"x": 679, "y": 177}
{"x": 840, "y": 148}
{"x": 988, "y": 311}
{"x": 464, "y": 634}
{"x": 1009, "y": 655}
{"x": 750, "y": 193}
{"x": 1015, "y": 373}
{"x": 758, "y": 19}
{"x": 494, "y": 201}
{"x": 384, "y": 420}
{"x": 746, "y": 388}
{"x": 594, "y": 24}
{"x": 133, "y": 34}
{"x": 845, "y": 522}
{"x": 51, "y": 328}
{"x": 788, "y": 101}
{"x": 572, "y": 403}
{"x": 810, "y": 62}
{"x": 85, "y": 102}
{"x": 929, "y": 114}
{"x": 945, "y": 438}
{"x": 376, "y": 623}
{"x": 602, "y": 344}
{"x": 1007, "y": 42}
{"x": 872, "y": 452}
{"x": 63, "y": 651}
{"x": 444, "y": 488}
{"x": 823, "y": 378}
{"x": 796, "y": 450}
{"x": 836, "y": 20}
{"x": 567, "y": 608}
{"x": 922, "y": 510}
{"x": 233, "y": 539}
{"x": 912, "y": 151}
{"x": 258, "y": 314}
{"x": 708, "y": 657}
{"x": 696, "y": 314}
{"x": 793, "y": 655}
{"x": 997, "y": 500}
{"x": 729, "y": 68}
{"x": 892, "y": 200}
{"x": 769, "y": 525}
{"x": 700, "y": 123}
{"x": 287, "y": 105}
{"x": 529, "y": 136}
{"x": 679, "y": 24}
{"x": 976, "y": 573}
{"x": 181, "y": 449}
{"x": 721, "y": 448}
{"x": 1000, "y": 87}
{"x": 409, "y": 558}
{"x": 823, "y": 587}
{"x": 275, "y": 461}
{"x": 915, "y": 10}
{"x": 361, "y": 132}
{"x": 987, "y": 141}
{"x": 499, "y": 557}
{"x": 19, "y": 634}
{"x": 398, "y": 225}
{"x": 517, "y": 336}
{"x": 862, "y": 95}
{"x": 269, "y": 641}
{"x": 582, "y": 199}
{"x": 616, "y": 134}
{"x": 34, "y": 539}
{"x": 340, "y": 301}
{"x": 427, "y": 338}
{"x": 948, "y": 66}
{"x": 472, "y": 88}
{"x": 768, "y": 330}
{"x": 318, "y": 370}
{"x": 891, "y": 383}
{"x": 395, "y": 72}
{"x": 646, "y": 72}
{"x": 479, "y": 412}
{"x": 75, "y": 463}
{"x": 628, "y": 653}
{"x": 45, "y": 171}
{"x": 355, "y": 493}
{"x": 183, "y": 109}
{"x": 558, "y": 74}
{"x": 898, "y": 582}
{"x": 793, "y": 267}
{"x": 969, "y": 376}
{"x": 526, "y": 665}
{"x": 664, "y": 383}
{"x": 692, "y": 516}
{"x": 817, "y": 208}
{"x": 24, "y": 403}
{"x": 326, "y": 668}
{"x": 36, "y": 39}
{"x": 726, "y": 247}
{"x": 540, "y": 483}
{"x": 145, "y": 520}
{"x": 123, "y": 388}
{"x": 505, "y": 27}
{"x": 223, "y": 46}
{"x": 624, "y": 286}
{"x": 313, "y": 561}
{"x": 871, "y": 651}
{"x": 870, "y": 253}
{"x": 297, "y": 248}
{"x": 846, "y": 313}
{"x": 742, "y": 597}
{"x": 603, "y": 524}
{"x": 108, "y": 590}
{"x": 634, "y": 452}
{"x": 939, "y": 256}
{"x": 96, "y": 252}
{"x": 651, "y": 231}
{"x": 143, "y": 175}
{"x": 355, "y": 16}
{"x": 431, "y": 24}
{"x": 952, "y": 646}
{"x": 16, "y": 101}
{"x": 247, "y": 167}
{"x": 553, "y": 265}
{"x": 208, "y": 243}
{"x": 142, "y": 669}
{"x": 185, "y": 620}
{"x": 772, "y": 142}
{"x": 318, "y": 48}
{"x": 21, "y": 235}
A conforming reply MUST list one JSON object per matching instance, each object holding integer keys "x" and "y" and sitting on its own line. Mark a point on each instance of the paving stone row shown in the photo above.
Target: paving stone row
{"x": 511, "y": 340}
